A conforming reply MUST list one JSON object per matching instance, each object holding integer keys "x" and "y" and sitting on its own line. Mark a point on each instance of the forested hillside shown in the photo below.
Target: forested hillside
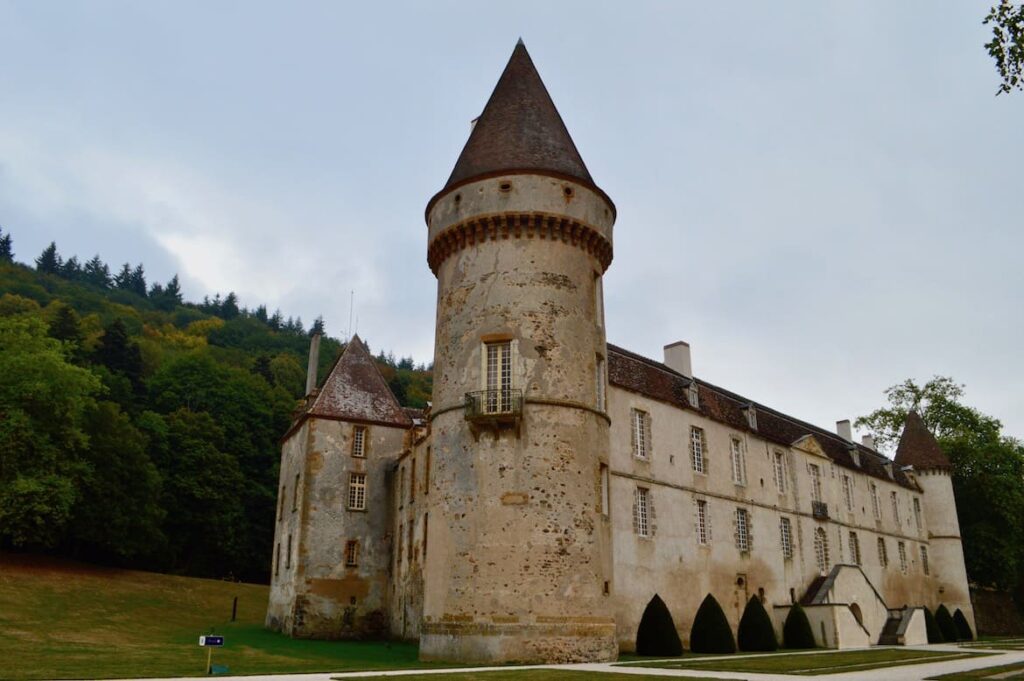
{"x": 142, "y": 430}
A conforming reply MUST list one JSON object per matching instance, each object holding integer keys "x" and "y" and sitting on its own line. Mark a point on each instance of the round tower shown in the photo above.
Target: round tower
{"x": 520, "y": 547}
{"x": 933, "y": 474}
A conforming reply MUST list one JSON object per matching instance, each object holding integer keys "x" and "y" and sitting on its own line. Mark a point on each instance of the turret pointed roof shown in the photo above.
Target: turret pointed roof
{"x": 355, "y": 390}
{"x": 519, "y": 130}
{"x": 918, "y": 447}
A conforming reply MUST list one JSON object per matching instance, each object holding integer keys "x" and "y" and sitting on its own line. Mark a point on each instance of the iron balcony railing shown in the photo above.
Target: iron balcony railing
{"x": 501, "y": 404}
{"x": 819, "y": 509}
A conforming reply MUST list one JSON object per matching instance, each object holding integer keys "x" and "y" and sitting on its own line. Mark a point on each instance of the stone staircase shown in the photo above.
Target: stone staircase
{"x": 891, "y": 632}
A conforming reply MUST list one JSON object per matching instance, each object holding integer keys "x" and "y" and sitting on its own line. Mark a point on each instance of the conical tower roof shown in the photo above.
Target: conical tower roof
{"x": 519, "y": 130}
{"x": 355, "y": 390}
{"x": 918, "y": 447}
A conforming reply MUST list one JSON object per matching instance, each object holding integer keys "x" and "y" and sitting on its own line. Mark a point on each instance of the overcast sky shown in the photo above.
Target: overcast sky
{"x": 822, "y": 198}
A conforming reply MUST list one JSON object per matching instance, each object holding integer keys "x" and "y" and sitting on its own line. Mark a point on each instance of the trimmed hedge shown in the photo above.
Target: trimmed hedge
{"x": 711, "y": 632}
{"x": 657, "y": 633}
{"x": 756, "y": 632}
{"x": 796, "y": 632}
{"x": 946, "y": 625}
{"x": 934, "y": 633}
{"x": 963, "y": 627}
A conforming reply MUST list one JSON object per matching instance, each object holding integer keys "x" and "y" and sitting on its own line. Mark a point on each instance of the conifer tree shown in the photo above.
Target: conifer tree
{"x": 123, "y": 279}
{"x": 71, "y": 269}
{"x": 657, "y": 635}
{"x": 65, "y": 326}
{"x": 711, "y": 632}
{"x": 173, "y": 290}
{"x": 318, "y": 326}
{"x": 49, "y": 260}
{"x": 137, "y": 281}
{"x": 796, "y": 631}
{"x": 6, "y": 247}
{"x": 96, "y": 272}
{"x": 229, "y": 308}
{"x": 756, "y": 632}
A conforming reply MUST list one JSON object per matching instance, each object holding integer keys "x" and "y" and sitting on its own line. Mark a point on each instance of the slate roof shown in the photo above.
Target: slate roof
{"x": 918, "y": 447}
{"x": 519, "y": 130}
{"x": 655, "y": 380}
{"x": 355, "y": 390}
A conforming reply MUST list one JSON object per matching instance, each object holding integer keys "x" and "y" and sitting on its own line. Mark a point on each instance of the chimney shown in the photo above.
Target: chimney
{"x": 868, "y": 441}
{"x": 677, "y": 358}
{"x": 845, "y": 430}
{"x": 472, "y": 124}
{"x": 314, "y": 360}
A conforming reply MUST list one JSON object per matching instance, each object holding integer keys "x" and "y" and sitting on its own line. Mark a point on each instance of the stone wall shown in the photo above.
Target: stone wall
{"x": 996, "y": 613}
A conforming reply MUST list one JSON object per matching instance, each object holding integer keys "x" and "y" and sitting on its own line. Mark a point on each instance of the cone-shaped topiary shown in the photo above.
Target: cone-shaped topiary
{"x": 963, "y": 628}
{"x": 796, "y": 632}
{"x": 946, "y": 625}
{"x": 934, "y": 633}
{"x": 711, "y": 632}
{"x": 756, "y": 631}
{"x": 657, "y": 633}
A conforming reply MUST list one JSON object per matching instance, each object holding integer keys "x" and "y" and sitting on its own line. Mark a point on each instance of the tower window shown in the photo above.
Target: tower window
{"x": 605, "y": 492}
{"x": 426, "y": 474}
{"x": 288, "y": 554}
{"x": 280, "y": 503}
{"x": 697, "y": 450}
{"x": 498, "y": 377}
{"x": 359, "y": 441}
{"x": 277, "y": 559}
{"x": 357, "y": 491}
{"x": 412, "y": 479}
{"x": 786, "y": 537}
{"x": 351, "y": 553}
{"x": 423, "y": 545}
{"x": 295, "y": 495}
{"x": 641, "y": 431}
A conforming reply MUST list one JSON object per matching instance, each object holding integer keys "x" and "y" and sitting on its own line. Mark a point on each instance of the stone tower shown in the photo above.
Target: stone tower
{"x": 933, "y": 473}
{"x": 519, "y": 238}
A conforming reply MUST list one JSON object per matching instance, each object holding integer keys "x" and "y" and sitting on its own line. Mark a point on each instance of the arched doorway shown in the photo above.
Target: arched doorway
{"x": 657, "y": 633}
{"x": 855, "y": 609}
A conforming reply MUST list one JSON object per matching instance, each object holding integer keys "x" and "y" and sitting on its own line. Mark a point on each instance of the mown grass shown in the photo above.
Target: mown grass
{"x": 530, "y": 675}
{"x": 64, "y": 620}
{"x": 813, "y": 663}
{"x": 986, "y": 673}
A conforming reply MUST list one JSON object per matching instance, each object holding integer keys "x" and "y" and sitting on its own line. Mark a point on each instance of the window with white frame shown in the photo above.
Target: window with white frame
{"x": 902, "y": 549}
{"x": 697, "y": 450}
{"x": 642, "y": 503}
{"x": 742, "y": 530}
{"x": 883, "y": 554}
{"x": 357, "y": 491}
{"x": 924, "y": 559}
{"x": 359, "y": 441}
{"x": 779, "y": 470}
{"x": 641, "y": 431}
{"x": 815, "y": 472}
{"x": 498, "y": 376}
{"x": 703, "y": 523}
{"x": 875, "y": 506}
{"x": 821, "y": 550}
{"x": 848, "y": 492}
{"x": 894, "y": 498}
{"x": 854, "y": 548}
{"x": 739, "y": 467}
{"x": 917, "y": 512}
{"x": 351, "y": 553}
{"x": 786, "y": 537}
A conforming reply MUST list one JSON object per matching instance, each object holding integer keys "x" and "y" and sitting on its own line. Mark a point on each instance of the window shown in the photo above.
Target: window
{"x": 742, "y": 530}
{"x": 902, "y": 549}
{"x": 703, "y": 523}
{"x": 359, "y": 441}
{"x": 499, "y": 377}
{"x": 412, "y": 480}
{"x": 779, "y": 469}
{"x": 786, "y": 537}
{"x": 295, "y": 494}
{"x": 280, "y": 503}
{"x": 815, "y": 481}
{"x": 739, "y": 469}
{"x": 357, "y": 491}
{"x": 642, "y": 521}
{"x": 426, "y": 517}
{"x": 351, "y": 553}
{"x": 821, "y": 550}
{"x": 854, "y": 548}
{"x": 600, "y": 384}
{"x": 895, "y": 507}
{"x": 848, "y": 492}
{"x": 598, "y": 299}
{"x": 398, "y": 554}
{"x": 924, "y": 559}
{"x": 697, "y": 449}
{"x": 875, "y": 506}
{"x": 604, "y": 489}
{"x": 411, "y": 553}
{"x": 426, "y": 473}
{"x": 917, "y": 513}
{"x": 277, "y": 559}
{"x": 288, "y": 554}
{"x": 883, "y": 555}
{"x": 641, "y": 421}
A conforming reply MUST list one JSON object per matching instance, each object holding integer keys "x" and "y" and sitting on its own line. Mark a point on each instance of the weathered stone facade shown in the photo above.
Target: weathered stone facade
{"x": 558, "y": 483}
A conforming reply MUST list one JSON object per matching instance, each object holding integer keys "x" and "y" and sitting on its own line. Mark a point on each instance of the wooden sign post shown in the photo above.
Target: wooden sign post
{"x": 210, "y": 642}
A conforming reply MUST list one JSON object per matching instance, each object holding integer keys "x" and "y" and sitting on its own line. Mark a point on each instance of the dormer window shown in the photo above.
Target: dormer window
{"x": 855, "y": 456}
{"x": 692, "y": 395}
{"x": 751, "y": 415}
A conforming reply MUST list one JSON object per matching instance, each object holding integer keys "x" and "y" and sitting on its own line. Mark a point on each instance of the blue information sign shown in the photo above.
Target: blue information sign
{"x": 211, "y": 641}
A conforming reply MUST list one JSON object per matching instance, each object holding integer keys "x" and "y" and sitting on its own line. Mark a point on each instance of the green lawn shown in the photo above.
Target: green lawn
{"x": 531, "y": 675}
{"x": 61, "y": 620}
{"x": 987, "y": 673}
{"x": 813, "y": 663}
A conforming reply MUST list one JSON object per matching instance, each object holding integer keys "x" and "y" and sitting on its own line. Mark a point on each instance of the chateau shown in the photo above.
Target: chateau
{"x": 558, "y": 484}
